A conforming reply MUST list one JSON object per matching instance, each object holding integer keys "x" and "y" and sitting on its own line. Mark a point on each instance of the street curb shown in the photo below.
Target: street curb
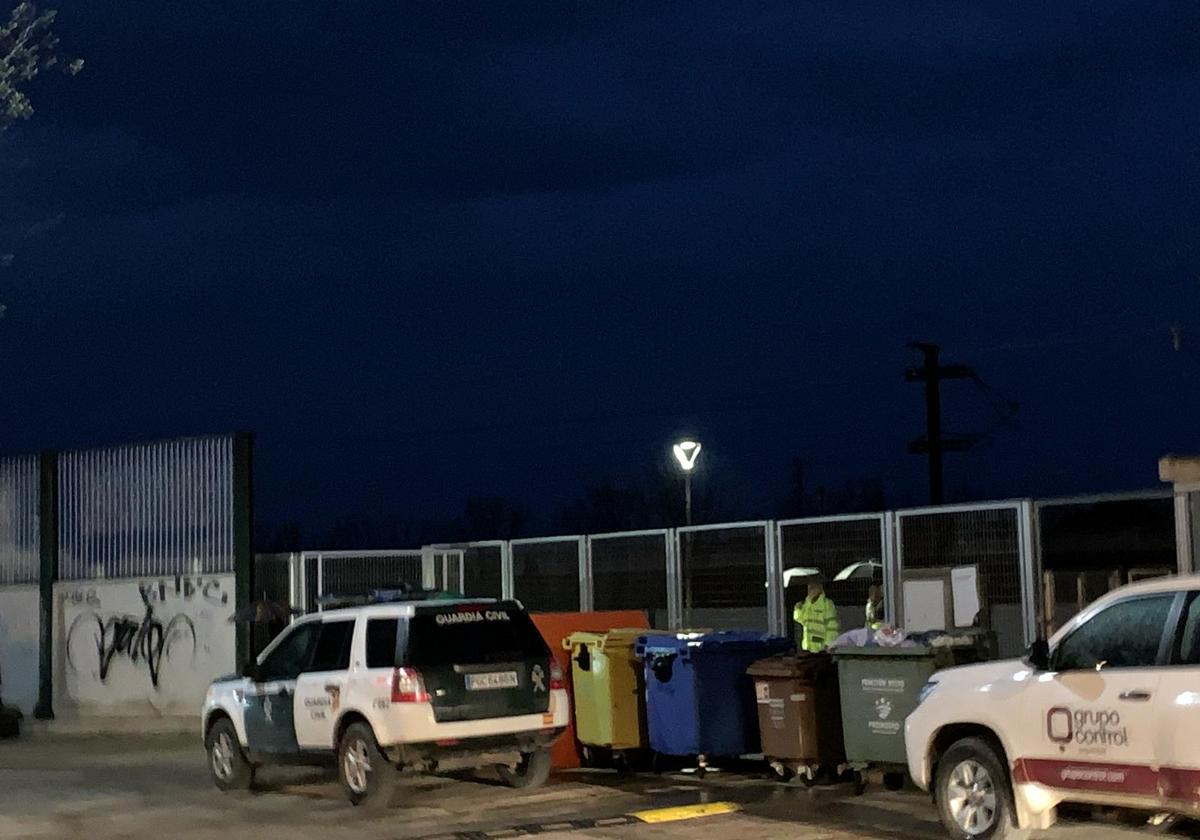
{"x": 72, "y": 727}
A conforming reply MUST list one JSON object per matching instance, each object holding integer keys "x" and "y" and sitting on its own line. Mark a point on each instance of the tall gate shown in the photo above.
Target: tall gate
{"x": 996, "y": 539}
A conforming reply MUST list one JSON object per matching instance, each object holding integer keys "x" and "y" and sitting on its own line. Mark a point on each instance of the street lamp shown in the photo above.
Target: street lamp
{"x": 686, "y": 453}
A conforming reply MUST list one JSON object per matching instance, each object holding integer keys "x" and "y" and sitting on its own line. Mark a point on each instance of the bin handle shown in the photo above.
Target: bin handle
{"x": 662, "y": 665}
{"x": 583, "y": 659}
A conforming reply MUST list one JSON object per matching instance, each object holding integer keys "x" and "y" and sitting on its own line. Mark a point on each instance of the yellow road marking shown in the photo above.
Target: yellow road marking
{"x": 686, "y": 812}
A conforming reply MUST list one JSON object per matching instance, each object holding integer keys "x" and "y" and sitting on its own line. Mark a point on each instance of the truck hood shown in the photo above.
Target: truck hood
{"x": 1007, "y": 673}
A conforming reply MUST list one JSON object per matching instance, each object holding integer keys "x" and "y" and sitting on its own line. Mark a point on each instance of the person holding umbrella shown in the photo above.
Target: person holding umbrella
{"x": 817, "y": 617}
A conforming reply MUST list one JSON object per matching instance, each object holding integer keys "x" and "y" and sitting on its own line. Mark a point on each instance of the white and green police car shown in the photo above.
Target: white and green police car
{"x": 418, "y": 685}
{"x": 1108, "y": 712}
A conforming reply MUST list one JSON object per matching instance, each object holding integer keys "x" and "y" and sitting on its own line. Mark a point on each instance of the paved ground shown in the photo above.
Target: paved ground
{"x": 157, "y": 786}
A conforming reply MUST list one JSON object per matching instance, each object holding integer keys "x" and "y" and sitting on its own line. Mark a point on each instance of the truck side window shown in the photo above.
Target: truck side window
{"x": 333, "y": 647}
{"x": 381, "y": 642}
{"x": 290, "y": 657}
{"x": 1125, "y": 635}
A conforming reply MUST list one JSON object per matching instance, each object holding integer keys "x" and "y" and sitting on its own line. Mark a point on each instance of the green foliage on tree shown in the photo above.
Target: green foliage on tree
{"x": 28, "y": 46}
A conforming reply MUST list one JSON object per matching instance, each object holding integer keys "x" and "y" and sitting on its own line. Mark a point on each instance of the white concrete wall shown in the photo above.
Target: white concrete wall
{"x": 113, "y": 658}
{"x": 19, "y": 646}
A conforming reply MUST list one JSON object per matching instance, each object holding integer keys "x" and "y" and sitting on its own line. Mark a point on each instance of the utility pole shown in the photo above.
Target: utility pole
{"x": 934, "y": 443}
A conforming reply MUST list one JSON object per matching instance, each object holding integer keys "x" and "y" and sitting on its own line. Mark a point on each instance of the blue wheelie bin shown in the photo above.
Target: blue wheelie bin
{"x": 699, "y": 700}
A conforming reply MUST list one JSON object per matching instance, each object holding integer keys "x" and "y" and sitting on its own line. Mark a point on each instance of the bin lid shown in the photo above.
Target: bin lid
{"x": 879, "y": 651}
{"x": 722, "y": 640}
{"x": 792, "y": 665}
{"x": 619, "y": 637}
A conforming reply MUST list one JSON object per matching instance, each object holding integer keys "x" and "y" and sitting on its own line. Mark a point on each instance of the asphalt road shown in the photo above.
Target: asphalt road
{"x": 156, "y": 787}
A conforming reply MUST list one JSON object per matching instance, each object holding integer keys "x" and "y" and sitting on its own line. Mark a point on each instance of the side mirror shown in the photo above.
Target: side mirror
{"x": 249, "y": 670}
{"x": 1038, "y": 656}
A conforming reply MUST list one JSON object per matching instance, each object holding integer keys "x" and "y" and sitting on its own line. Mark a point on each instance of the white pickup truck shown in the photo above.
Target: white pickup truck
{"x": 1108, "y": 712}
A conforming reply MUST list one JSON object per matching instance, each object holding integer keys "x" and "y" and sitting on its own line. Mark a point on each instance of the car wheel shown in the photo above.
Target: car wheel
{"x": 532, "y": 771}
{"x": 366, "y": 775}
{"x": 226, "y": 762}
{"x": 973, "y": 793}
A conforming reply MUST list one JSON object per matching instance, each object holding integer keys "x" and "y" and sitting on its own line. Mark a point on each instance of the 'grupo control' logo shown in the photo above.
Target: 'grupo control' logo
{"x": 1086, "y": 727}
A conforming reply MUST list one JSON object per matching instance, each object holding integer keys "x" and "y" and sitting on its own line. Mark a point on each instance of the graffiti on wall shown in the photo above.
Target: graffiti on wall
{"x": 162, "y": 632}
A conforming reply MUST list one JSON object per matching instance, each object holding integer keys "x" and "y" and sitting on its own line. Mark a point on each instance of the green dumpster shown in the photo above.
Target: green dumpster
{"x": 879, "y": 688}
{"x": 610, "y": 694}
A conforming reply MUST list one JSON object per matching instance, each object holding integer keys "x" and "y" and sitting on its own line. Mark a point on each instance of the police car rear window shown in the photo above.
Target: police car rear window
{"x": 472, "y": 635}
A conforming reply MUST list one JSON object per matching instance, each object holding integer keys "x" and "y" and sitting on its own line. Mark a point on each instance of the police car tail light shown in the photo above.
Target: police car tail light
{"x": 556, "y": 675}
{"x": 408, "y": 686}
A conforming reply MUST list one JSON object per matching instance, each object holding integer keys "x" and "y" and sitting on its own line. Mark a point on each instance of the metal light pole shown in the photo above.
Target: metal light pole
{"x": 686, "y": 453}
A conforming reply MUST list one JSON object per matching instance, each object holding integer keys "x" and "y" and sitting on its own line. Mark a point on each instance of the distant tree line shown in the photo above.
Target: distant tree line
{"x": 609, "y": 505}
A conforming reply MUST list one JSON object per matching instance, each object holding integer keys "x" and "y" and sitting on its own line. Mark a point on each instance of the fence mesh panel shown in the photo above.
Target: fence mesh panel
{"x": 150, "y": 509}
{"x": 271, "y": 579}
{"x": 724, "y": 578}
{"x": 988, "y": 539}
{"x": 630, "y": 573}
{"x": 1089, "y": 547}
{"x": 832, "y": 546}
{"x": 546, "y": 575}
{"x": 483, "y": 571}
{"x": 19, "y": 536}
{"x": 356, "y": 574}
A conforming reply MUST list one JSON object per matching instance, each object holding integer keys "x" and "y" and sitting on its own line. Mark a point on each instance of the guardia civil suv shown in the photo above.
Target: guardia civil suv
{"x": 1107, "y": 713}
{"x": 397, "y": 683}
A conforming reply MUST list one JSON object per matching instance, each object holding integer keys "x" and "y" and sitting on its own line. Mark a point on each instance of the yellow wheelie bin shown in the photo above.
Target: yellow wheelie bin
{"x": 610, "y": 696}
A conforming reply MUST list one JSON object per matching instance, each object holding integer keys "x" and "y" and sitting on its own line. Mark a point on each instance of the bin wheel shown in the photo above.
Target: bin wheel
{"x": 621, "y": 762}
{"x": 808, "y": 778}
{"x": 893, "y": 781}
{"x": 781, "y": 771}
{"x": 859, "y": 780}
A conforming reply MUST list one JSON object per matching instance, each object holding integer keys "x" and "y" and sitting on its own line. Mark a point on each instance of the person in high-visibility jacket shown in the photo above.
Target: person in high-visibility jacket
{"x": 817, "y": 615}
{"x": 874, "y": 607}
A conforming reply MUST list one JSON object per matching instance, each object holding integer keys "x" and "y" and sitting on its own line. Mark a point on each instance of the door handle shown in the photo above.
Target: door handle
{"x": 1136, "y": 696}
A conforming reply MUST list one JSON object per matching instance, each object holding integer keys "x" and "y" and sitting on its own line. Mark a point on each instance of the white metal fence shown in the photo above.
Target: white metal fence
{"x": 731, "y": 575}
{"x": 149, "y": 509}
{"x": 19, "y": 520}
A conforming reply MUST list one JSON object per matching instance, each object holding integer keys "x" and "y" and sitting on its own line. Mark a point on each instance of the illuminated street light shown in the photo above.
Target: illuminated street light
{"x": 686, "y": 453}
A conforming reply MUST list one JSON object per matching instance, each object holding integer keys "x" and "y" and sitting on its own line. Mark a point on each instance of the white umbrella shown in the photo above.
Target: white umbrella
{"x": 861, "y": 569}
{"x": 799, "y": 572}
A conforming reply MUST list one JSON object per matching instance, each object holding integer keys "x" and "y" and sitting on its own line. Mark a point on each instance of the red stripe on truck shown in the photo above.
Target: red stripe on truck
{"x": 1174, "y": 783}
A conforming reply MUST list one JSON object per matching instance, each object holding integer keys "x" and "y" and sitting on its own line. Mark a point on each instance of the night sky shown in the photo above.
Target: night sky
{"x": 429, "y": 251}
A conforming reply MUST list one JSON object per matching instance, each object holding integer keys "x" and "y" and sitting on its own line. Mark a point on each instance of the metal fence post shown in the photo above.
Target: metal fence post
{"x": 507, "y": 588}
{"x": 897, "y": 534}
{"x": 776, "y": 600}
{"x": 320, "y": 578}
{"x": 1183, "y": 532}
{"x": 48, "y": 549}
{"x": 243, "y": 538}
{"x": 586, "y": 586}
{"x": 674, "y": 578}
{"x": 1026, "y": 528}
{"x": 891, "y": 568}
{"x": 428, "y": 573}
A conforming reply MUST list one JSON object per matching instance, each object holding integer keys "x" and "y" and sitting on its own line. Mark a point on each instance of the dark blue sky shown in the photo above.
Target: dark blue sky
{"x": 440, "y": 249}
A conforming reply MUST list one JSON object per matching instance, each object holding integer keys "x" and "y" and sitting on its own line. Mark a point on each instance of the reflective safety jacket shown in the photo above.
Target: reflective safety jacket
{"x": 819, "y": 618}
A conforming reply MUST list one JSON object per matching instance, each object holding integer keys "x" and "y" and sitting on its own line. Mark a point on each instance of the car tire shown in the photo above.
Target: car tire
{"x": 367, "y": 777}
{"x": 973, "y": 794}
{"x": 227, "y": 762}
{"x": 531, "y": 772}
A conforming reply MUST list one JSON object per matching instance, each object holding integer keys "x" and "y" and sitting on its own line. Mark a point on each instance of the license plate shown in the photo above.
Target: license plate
{"x": 487, "y": 682}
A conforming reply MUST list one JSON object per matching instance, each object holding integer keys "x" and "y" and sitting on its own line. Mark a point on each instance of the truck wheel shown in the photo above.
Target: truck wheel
{"x": 973, "y": 794}
{"x": 226, "y": 762}
{"x": 366, "y": 775}
{"x": 531, "y": 772}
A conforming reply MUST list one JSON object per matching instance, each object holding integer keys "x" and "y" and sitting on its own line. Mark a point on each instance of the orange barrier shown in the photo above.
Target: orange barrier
{"x": 554, "y": 628}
